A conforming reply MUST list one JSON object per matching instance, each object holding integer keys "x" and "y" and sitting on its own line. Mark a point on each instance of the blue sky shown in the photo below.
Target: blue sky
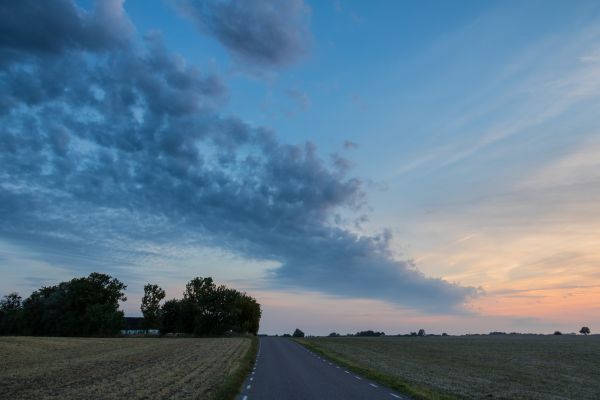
{"x": 408, "y": 164}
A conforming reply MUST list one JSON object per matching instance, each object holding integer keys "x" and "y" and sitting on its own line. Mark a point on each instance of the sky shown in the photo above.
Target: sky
{"x": 389, "y": 166}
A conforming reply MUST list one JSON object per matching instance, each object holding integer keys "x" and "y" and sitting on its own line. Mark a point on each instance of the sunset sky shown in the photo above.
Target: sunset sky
{"x": 388, "y": 165}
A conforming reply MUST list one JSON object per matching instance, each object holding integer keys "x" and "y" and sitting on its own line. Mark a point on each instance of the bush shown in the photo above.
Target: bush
{"x": 298, "y": 333}
{"x": 370, "y": 333}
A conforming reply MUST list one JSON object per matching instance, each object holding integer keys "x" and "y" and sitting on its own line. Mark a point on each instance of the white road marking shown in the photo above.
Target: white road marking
{"x": 245, "y": 398}
{"x": 374, "y": 385}
{"x": 396, "y": 396}
{"x": 337, "y": 367}
{"x": 253, "y": 372}
{"x": 347, "y": 372}
{"x": 251, "y": 378}
{"x": 248, "y": 387}
{"x": 358, "y": 377}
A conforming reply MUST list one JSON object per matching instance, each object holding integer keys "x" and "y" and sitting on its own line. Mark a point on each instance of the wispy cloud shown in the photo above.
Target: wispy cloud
{"x": 546, "y": 81}
{"x": 299, "y": 98}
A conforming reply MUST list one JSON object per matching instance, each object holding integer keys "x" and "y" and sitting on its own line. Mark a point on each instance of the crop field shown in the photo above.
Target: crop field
{"x": 117, "y": 368}
{"x": 475, "y": 367}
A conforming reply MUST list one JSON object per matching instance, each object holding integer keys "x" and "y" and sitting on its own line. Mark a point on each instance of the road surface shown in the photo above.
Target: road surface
{"x": 285, "y": 370}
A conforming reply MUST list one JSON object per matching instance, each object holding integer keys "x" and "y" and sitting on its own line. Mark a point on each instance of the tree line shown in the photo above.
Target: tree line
{"x": 89, "y": 306}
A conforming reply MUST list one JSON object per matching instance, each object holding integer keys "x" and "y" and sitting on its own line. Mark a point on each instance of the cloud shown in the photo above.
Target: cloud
{"x": 112, "y": 158}
{"x": 337, "y": 6}
{"x": 300, "y": 99}
{"x": 348, "y": 144}
{"x": 258, "y": 33}
{"x": 32, "y": 27}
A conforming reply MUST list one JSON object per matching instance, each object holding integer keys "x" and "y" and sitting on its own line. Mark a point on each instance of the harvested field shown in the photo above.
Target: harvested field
{"x": 475, "y": 367}
{"x": 117, "y": 368}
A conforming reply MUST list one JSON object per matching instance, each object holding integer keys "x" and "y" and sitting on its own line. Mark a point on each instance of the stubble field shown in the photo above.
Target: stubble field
{"x": 117, "y": 368}
{"x": 475, "y": 367}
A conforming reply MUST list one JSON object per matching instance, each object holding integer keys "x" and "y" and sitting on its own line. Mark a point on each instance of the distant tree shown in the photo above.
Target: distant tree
{"x": 444, "y": 334}
{"x": 298, "y": 333}
{"x": 150, "y": 307}
{"x": 413, "y": 334}
{"x": 584, "y": 330}
{"x": 10, "y": 314}
{"x": 334, "y": 334}
{"x": 370, "y": 333}
{"x": 286, "y": 335}
{"x": 557, "y": 333}
{"x": 421, "y": 332}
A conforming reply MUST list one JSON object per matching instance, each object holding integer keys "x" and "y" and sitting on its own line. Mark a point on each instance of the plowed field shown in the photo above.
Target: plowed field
{"x": 119, "y": 368}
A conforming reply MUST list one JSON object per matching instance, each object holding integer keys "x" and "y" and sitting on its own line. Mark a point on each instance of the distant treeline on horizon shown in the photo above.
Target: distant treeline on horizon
{"x": 369, "y": 333}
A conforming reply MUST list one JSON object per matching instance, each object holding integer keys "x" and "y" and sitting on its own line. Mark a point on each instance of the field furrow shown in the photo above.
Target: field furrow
{"x": 133, "y": 368}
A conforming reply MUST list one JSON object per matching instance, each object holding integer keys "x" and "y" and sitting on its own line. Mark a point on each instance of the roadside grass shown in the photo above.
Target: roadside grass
{"x": 417, "y": 392}
{"x": 232, "y": 384}
{"x": 473, "y": 367}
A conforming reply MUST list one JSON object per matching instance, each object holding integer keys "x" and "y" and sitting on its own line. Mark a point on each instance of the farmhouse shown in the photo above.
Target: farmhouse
{"x": 135, "y": 326}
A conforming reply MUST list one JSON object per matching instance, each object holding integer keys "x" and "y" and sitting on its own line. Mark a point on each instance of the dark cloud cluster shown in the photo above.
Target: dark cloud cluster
{"x": 106, "y": 151}
{"x": 263, "y": 33}
{"x": 32, "y": 26}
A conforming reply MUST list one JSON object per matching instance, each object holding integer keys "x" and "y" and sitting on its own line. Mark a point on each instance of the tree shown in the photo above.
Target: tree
{"x": 584, "y": 331}
{"x": 150, "y": 307}
{"x": 10, "y": 314}
{"x": 421, "y": 332}
{"x": 10, "y": 302}
{"x": 334, "y": 334}
{"x": 170, "y": 317}
{"x": 81, "y": 307}
{"x": 298, "y": 333}
{"x": 557, "y": 333}
{"x": 208, "y": 309}
{"x": 370, "y": 333}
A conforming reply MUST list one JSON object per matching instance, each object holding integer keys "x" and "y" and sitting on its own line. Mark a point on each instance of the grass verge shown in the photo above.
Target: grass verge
{"x": 231, "y": 385}
{"x": 417, "y": 392}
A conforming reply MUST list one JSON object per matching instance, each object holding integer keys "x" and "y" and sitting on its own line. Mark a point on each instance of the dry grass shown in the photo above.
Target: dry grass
{"x": 486, "y": 367}
{"x": 132, "y": 368}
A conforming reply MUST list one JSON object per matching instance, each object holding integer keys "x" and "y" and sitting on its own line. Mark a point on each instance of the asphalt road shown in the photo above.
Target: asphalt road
{"x": 284, "y": 370}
